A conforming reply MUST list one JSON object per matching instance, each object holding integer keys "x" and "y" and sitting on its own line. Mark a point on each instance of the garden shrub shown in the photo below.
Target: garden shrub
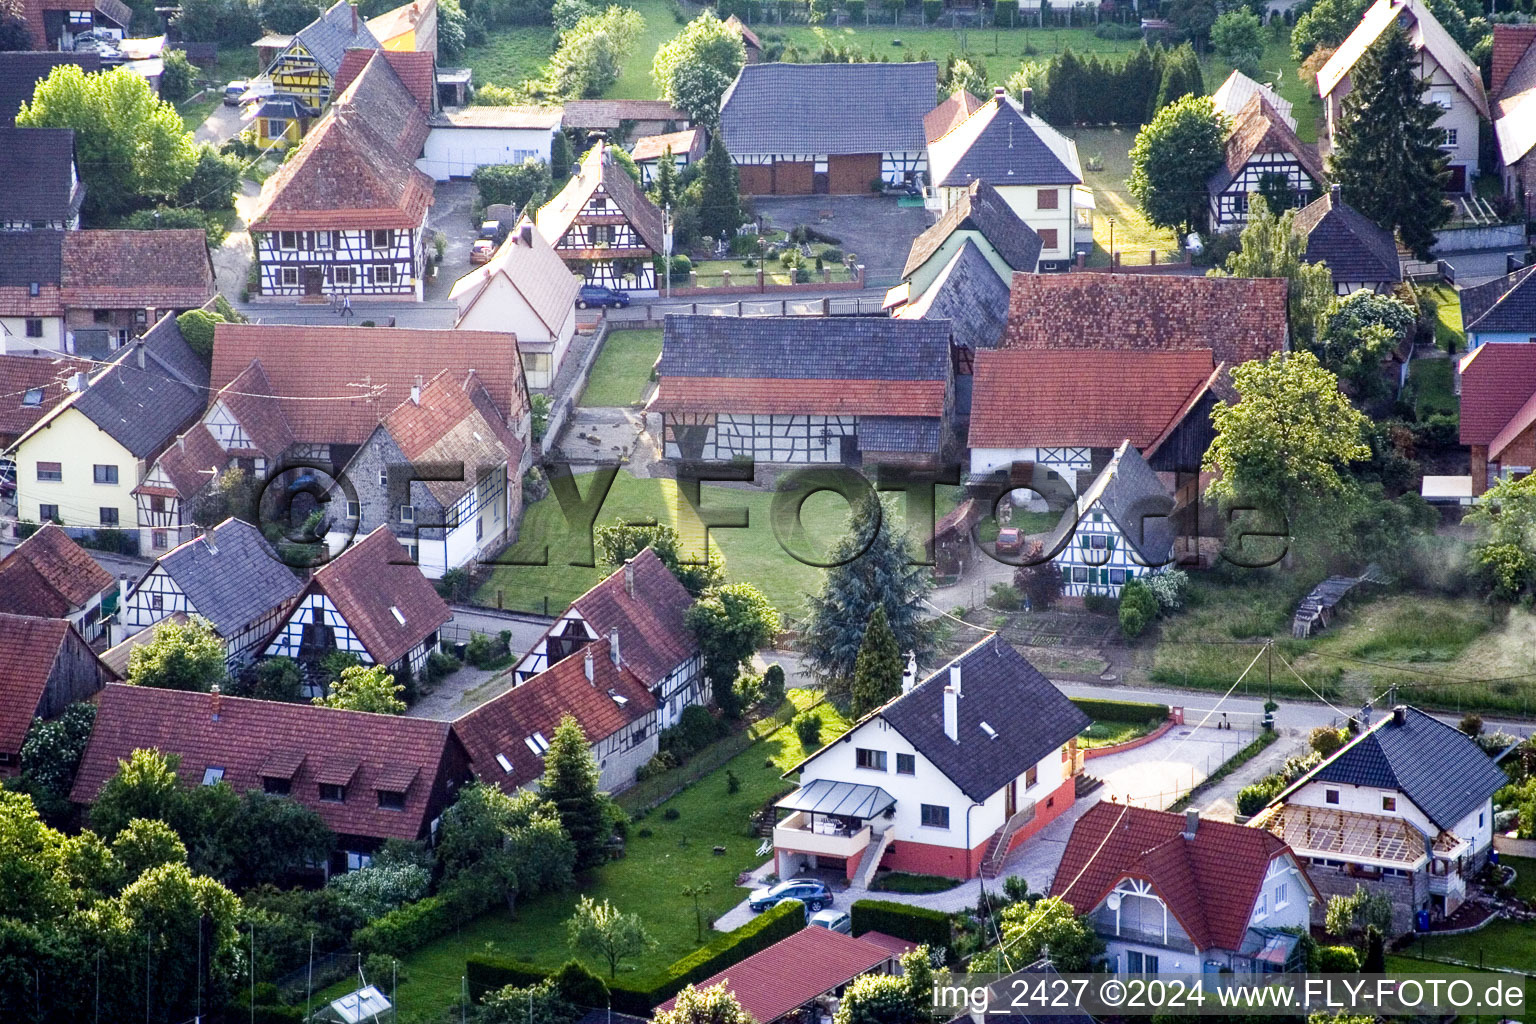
{"x": 773, "y": 685}
{"x": 1098, "y": 603}
{"x": 915, "y": 924}
{"x": 1254, "y": 798}
{"x": 407, "y": 929}
{"x": 1137, "y": 608}
{"x": 1326, "y": 740}
{"x": 1337, "y": 960}
{"x": 376, "y": 890}
{"x": 1297, "y": 766}
{"x": 808, "y": 728}
{"x": 696, "y": 729}
{"x": 1120, "y": 710}
{"x": 579, "y": 985}
{"x": 483, "y": 651}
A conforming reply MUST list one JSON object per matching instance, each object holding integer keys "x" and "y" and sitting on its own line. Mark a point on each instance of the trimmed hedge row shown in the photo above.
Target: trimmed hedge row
{"x": 412, "y": 926}
{"x": 915, "y": 924}
{"x": 640, "y": 994}
{"x": 1120, "y": 710}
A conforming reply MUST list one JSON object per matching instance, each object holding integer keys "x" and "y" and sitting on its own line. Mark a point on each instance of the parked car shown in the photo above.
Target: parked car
{"x": 1010, "y": 541}
{"x": 809, "y": 891}
{"x": 233, "y": 91}
{"x": 832, "y": 920}
{"x": 481, "y": 251}
{"x": 7, "y": 478}
{"x": 597, "y": 295}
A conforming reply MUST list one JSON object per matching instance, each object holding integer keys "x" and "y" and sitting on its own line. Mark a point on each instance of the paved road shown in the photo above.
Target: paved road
{"x": 224, "y": 123}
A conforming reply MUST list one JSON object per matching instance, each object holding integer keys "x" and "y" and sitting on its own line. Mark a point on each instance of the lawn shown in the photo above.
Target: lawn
{"x": 1525, "y": 876}
{"x": 1116, "y": 218}
{"x": 1448, "y": 333}
{"x": 195, "y": 112}
{"x": 1107, "y": 734}
{"x": 753, "y": 554}
{"x": 662, "y": 857}
{"x": 1509, "y": 944}
{"x": 1433, "y": 381}
{"x": 622, "y": 372}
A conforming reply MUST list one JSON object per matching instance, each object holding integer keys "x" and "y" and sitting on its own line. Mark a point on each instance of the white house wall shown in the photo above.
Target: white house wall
{"x": 1024, "y": 200}
{"x": 453, "y": 152}
{"x": 1065, "y": 462}
{"x": 14, "y": 340}
{"x": 1089, "y": 569}
{"x": 348, "y": 262}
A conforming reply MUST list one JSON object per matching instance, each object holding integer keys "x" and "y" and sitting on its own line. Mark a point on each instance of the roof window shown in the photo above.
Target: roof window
{"x": 537, "y": 743}
{"x": 398, "y": 614}
{"x": 212, "y": 775}
{"x": 506, "y": 765}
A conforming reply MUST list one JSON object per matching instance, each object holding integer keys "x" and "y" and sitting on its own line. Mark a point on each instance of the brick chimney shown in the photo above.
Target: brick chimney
{"x": 1027, "y": 101}
{"x": 217, "y": 700}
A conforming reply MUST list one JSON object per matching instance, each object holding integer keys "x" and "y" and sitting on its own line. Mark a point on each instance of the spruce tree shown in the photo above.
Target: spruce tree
{"x": 877, "y": 670}
{"x": 1181, "y": 76}
{"x": 873, "y": 567}
{"x": 1387, "y": 154}
{"x": 570, "y": 783}
{"x": 720, "y": 202}
{"x": 664, "y": 185}
{"x": 1139, "y": 79}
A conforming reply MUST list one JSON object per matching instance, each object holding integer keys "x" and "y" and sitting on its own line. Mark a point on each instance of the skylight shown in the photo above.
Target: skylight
{"x": 618, "y": 698}
{"x": 506, "y": 765}
{"x": 537, "y": 743}
{"x": 212, "y": 775}
{"x": 399, "y": 616}
{"x": 34, "y": 396}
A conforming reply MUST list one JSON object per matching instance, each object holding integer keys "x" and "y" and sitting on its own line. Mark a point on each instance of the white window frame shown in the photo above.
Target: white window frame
{"x": 288, "y": 276}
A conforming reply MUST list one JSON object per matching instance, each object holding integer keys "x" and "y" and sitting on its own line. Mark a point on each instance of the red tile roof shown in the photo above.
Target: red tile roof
{"x": 651, "y": 147}
{"x": 1509, "y": 44}
{"x": 1094, "y": 398}
{"x": 362, "y": 372}
{"x": 1239, "y": 319}
{"x": 503, "y": 725}
{"x": 1497, "y": 381}
{"x": 386, "y": 104}
{"x": 946, "y": 117}
{"x": 168, "y": 269}
{"x": 190, "y": 463}
{"x": 454, "y": 421}
{"x": 793, "y": 971}
{"x": 20, "y": 374}
{"x": 1210, "y": 882}
{"x": 63, "y": 568}
{"x": 653, "y": 638}
{"x": 416, "y": 70}
{"x": 250, "y": 739}
{"x": 608, "y": 113}
{"x": 765, "y": 395}
{"x": 18, "y": 300}
{"x": 250, "y": 399}
{"x": 31, "y": 646}
{"x": 368, "y": 582}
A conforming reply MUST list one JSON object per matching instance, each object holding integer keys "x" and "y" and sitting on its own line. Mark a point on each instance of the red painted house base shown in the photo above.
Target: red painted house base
{"x": 957, "y": 862}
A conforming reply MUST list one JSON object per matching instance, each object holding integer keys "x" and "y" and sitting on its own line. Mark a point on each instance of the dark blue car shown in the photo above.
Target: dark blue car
{"x": 597, "y": 295}
{"x": 809, "y": 891}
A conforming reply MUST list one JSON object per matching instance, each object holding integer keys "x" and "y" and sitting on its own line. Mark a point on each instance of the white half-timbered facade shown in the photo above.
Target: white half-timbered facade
{"x": 372, "y": 262}
{"x": 603, "y": 227}
{"x": 1118, "y": 530}
{"x": 795, "y": 439}
{"x": 1263, "y": 156}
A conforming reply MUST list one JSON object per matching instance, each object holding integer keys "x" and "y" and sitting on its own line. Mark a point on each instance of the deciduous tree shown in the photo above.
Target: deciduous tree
{"x": 1268, "y": 247}
{"x": 1171, "y": 159}
{"x": 512, "y": 843}
{"x": 599, "y": 928}
{"x": 619, "y": 542}
{"x": 50, "y": 755}
{"x": 731, "y": 622}
{"x": 713, "y": 1005}
{"x": 694, "y": 68}
{"x": 590, "y": 56}
{"x": 145, "y": 786}
{"x": 1030, "y": 929}
{"x": 365, "y": 688}
{"x": 1238, "y": 38}
{"x": 180, "y": 656}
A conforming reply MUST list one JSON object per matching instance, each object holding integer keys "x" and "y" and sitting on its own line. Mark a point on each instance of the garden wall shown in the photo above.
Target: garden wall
{"x": 1494, "y": 236}
{"x": 761, "y": 287}
{"x": 1120, "y": 748}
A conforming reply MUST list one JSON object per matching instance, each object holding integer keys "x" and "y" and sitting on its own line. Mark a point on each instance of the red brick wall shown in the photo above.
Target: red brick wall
{"x": 928, "y": 859}
{"x": 1047, "y": 810}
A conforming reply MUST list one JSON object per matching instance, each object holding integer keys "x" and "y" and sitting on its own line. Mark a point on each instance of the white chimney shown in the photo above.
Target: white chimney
{"x": 587, "y": 665}
{"x": 954, "y": 677}
{"x": 952, "y": 713}
{"x": 909, "y": 675}
{"x": 138, "y": 351}
{"x": 613, "y": 646}
{"x": 416, "y": 391}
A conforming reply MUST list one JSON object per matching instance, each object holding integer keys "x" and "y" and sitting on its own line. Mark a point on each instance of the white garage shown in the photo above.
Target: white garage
{"x": 470, "y": 137}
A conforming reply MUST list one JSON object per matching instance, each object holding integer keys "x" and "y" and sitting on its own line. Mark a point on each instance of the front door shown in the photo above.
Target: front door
{"x": 314, "y": 279}
{"x": 1011, "y": 800}
{"x": 1458, "y": 180}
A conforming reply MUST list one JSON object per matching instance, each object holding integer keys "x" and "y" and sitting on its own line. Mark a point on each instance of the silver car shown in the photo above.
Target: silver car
{"x": 832, "y": 921}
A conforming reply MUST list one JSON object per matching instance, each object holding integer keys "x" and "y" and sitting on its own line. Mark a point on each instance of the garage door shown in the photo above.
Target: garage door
{"x": 756, "y": 179}
{"x": 851, "y": 174}
{"x": 792, "y": 179}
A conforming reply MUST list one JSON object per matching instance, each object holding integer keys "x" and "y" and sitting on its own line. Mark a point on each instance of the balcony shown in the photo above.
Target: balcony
{"x": 811, "y": 833}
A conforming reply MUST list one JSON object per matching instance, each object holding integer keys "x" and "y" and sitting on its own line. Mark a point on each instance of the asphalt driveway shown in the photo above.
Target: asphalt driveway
{"x": 873, "y": 228}
{"x": 452, "y": 202}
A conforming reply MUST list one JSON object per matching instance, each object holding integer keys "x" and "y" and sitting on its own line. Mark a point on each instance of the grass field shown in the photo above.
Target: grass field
{"x": 195, "y": 112}
{"x": 662, "y": 856}
{"x": 1525, "y": 876}
{"x": 1433, "y": 383}
{"x": 1107, "y": 734}
{"x": 623, "y": 368}
{"x": 1447, "y": 302}
{"x": 1509, "y": 944}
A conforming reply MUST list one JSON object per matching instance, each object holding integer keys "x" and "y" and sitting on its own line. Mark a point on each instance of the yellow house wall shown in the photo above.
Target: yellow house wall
{"x": 305, "y": 80}
{"x": 289, "y": 135}
{"x": 78, "y": 445}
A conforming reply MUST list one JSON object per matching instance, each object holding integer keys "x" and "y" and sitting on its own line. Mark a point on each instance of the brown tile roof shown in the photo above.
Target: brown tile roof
{"x": 391, "y": 105}
{"x": 168, "y": 269}
{"x": 763, "y": 395}
{"x": 191, "y": 463}
{"x": 455, "y": 422}
{"x": 31, "y": 646}
{"x": 300, "y": 742}
{"x": 1509, "y": 44}
{"x": 748, "y": 37}
{"x": 1238, "y": 318}
{"x": 19, "y": 301}
{"x": 651, "y": 147}
{"x": 653, "y": 638}
{"x": 534, "y": 270}
{"x": 336, "y": 383}
{"x": 946, "y": 117}
{"x": 63, "y": 566}
{"x": 608, "y": 113}
{"x": 368, "y": 583}
{"x": 1094, "y": 398}
{"x": 555, "y": 217}
{"x": 415, "y": 69}
{"x": 30, "y": 258}
{"x": 793, "y": 971}
{"x": 1209, "y": 882}
{"x": 503, "y": 724}
{"x": 21, "y": 374}
{"x": 1498, "y": 382}
{"x": 1258, "y": 129}
{"x": 250, "y": 399}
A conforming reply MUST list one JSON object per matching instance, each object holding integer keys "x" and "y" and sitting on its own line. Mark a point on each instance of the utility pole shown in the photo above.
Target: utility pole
{"x": 666, "y": 245}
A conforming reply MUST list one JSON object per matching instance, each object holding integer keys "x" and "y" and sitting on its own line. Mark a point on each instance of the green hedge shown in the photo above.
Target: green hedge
{"x": 855, "y": 9}
{"x": 1006, "y": 13}
{"x": 915, "y": 924}
{"x": 640, "y": 994}
{"x": 414, "y": 925}
{"x": 1120, "y": 710}
{"x": 932, "y": 9}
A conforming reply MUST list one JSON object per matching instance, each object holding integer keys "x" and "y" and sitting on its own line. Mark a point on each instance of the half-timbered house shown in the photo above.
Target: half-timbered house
{"x": 1262, "y": 156}
{"x": 229, "y": 576}
{"x": 305, "y": 69}
{"x": 978, "y": 215}
{"x": 467, "y": 505}
{"x": 372, "y": 601}
{"x": 638, "y": 611}
{"x": 49, "y": 574}
{"x": 49, "y": 666}
{"x": 1359, "y": 252}
{"x": 44, "y": 190}
{"x": 1119, "y": 529}
{"x": 346, "y": 215}
{"x": 603, "y": 226}
{"x": 117, "y": 283}
{"x": 798, "y": 390}
{"x": 799, "y": 129}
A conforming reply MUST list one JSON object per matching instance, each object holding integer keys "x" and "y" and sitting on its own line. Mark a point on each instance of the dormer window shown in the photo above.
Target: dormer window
{"x": 275, "y": 787}
{"x": 333, "y": 794}
{"x": 390, "y": 800}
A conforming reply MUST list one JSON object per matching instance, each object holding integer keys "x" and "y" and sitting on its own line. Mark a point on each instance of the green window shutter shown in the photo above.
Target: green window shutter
{"x": 1082, "y": 541}
{"x": 1093, "y": 576}
{"x": 1112, "y": 539}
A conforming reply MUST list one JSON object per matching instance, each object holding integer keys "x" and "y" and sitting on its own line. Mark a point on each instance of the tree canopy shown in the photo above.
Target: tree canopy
{"x": 509, "y": 844}
{"x": 620, "y": 541}
{"x": 601, "y": 929}
{"x": 180, "y": 656}
{"x": 570, "y": 783}
{"x": 731, "y": 622}
{"x": 695, "y": 67}
{"x": 590, "y": 56}
{"x": 1171, "y": 160}
{"x": 365, "y": 688}
{"x": 878, "y": 669}
{"x": 714, "y": 1005}
{"x": 1238, "y": 38}
{"x": 1268, "y": 247}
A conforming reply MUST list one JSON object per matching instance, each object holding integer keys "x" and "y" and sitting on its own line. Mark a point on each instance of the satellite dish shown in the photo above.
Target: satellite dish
{"x": 1112, "y": 901}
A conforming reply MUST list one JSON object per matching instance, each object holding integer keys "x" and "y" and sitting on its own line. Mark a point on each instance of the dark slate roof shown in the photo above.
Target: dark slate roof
{"x": 1504, "y": 304}
{"x": 981, "y": 208}
{"x": 144, "y": 408}
{"x": 828, "y": 108}
{"x": 898, "y": 434}
{"x": 1441, "y": 769}
{"x": 27, "y": 256}
{"x": 998, "y": 144}
{"x": 1131, "y": 494}
{"x": 21, "y": 70}
{"x": 998, "y": 686}
{"x": 330, "y": 36}
{"x": 1354, "y": 247}
{"x": 233, "y": 581}
{"x": 805, "y": 348}
{"x": 969, "y": 294}
{"x": 35, "y": 164}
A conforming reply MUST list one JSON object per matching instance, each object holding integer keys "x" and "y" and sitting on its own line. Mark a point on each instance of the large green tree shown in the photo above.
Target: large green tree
{"x": 620, "y": 541}
{"x": 365, "y": 688}
{"x": 51, "y": 754}
{"x": 1238, "y": 38}
{"x": 589, "y": 58}
{"x": 1171, "y": 159}
{"x": 731, "y": 622}
{"x": 719, "y": 191}
{"x": 1029, "y": 929}
{"x": 510, "y": 844}
{"x": 1181, "y": 78}
{"x": 1268, "y": 247}
{"x": 878, "y": 669}
{"x": 1387, "y": 153}
{"x": 713, "y": 1005}
{"x": 1359, "y": 331}
{"x": 873, "y": 565}
{"x": 695, "y": 67}
{"x": 180, "y": 656}
{"x": 145, "y": 786}
{"x": 570, "y": 783}
{"x": 131, "y": 147}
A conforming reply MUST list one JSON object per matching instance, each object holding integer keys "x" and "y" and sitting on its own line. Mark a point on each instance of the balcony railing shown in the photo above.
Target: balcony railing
{"x": 795, "y": 833}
